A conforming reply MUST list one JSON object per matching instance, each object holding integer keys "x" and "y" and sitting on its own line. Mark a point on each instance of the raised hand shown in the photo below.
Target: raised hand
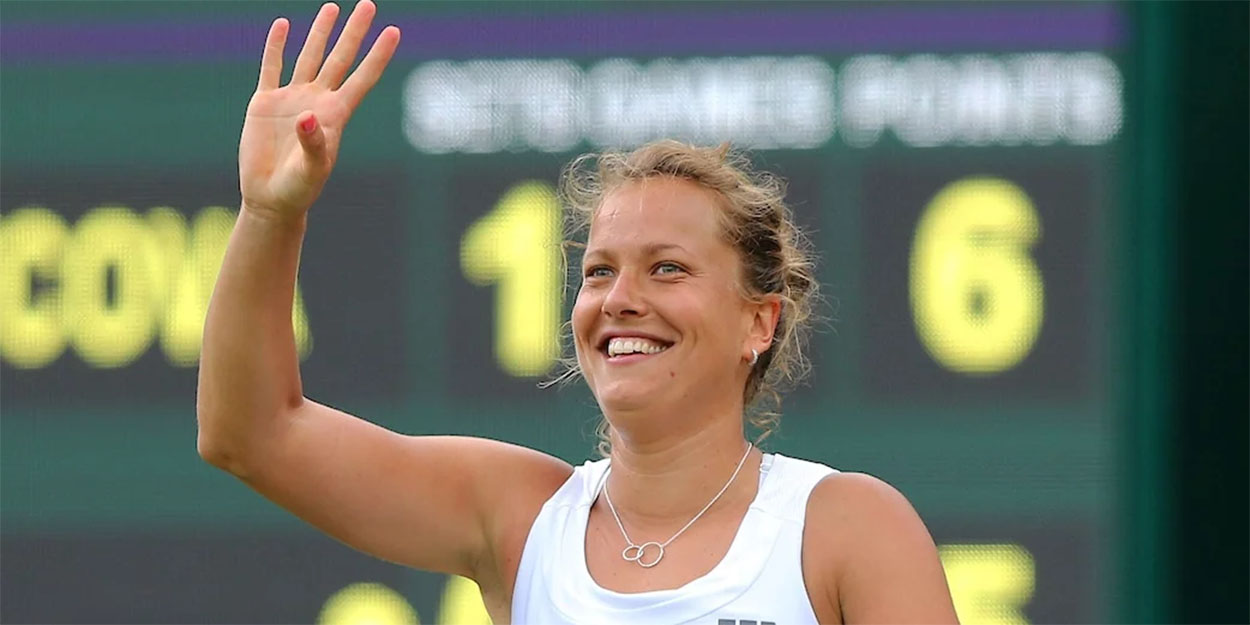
{"x": 291, "y": 134}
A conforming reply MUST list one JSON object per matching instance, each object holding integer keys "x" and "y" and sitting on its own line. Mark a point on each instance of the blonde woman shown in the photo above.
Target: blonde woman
{"x": 694, "y": 298}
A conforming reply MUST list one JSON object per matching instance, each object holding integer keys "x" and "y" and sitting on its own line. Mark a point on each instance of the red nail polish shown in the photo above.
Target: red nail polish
{"x": 308, "y": 124}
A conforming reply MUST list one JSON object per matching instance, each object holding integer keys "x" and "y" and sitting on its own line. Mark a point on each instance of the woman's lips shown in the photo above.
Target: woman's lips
{"x": 625, "y": 359}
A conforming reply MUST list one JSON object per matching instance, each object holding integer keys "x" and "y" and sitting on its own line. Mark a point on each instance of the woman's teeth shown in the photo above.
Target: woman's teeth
{"x": 617, "y": 347}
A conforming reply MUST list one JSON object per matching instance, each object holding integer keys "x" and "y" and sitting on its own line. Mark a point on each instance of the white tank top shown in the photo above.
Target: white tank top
{"x": 759, "y": 581}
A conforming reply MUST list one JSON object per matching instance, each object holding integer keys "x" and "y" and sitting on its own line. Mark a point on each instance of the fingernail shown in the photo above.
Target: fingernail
{"x": 308, "y": 124}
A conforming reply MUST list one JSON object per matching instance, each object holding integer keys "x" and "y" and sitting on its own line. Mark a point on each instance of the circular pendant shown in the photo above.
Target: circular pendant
{"x": 637, "y": 553}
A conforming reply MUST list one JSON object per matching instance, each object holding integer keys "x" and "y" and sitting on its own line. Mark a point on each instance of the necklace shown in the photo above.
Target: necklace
{"x": 634, "y": 552}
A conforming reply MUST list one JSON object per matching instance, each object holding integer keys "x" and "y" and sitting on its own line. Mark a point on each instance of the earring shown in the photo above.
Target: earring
{"x": 755, "y": 357}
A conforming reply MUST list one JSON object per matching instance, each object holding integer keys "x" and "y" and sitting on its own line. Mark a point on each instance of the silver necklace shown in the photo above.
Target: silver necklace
{"x": 634, "y": 552}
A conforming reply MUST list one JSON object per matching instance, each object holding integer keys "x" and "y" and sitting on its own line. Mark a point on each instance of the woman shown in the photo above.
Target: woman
{"x": 693, "y": 295}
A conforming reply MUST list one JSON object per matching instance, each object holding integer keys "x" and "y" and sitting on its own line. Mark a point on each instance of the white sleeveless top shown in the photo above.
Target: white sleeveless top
{"x": 760, "y": 579}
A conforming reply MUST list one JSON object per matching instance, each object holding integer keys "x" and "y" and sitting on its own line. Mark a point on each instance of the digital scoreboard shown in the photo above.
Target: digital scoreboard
{"x": 960, "y": 169}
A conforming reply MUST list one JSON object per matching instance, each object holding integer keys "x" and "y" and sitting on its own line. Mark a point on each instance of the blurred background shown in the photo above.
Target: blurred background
{"x": 1031, "y": 217}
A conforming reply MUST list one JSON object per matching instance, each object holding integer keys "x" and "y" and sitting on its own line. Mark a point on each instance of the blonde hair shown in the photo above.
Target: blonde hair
{"x": 776, "y": 256}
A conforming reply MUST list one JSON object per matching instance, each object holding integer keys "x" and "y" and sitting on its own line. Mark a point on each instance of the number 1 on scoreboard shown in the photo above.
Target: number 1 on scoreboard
{"x": 516, "y": 248}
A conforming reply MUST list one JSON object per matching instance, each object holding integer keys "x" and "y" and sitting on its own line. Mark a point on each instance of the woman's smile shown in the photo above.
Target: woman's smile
{"x": 623, "y": 351}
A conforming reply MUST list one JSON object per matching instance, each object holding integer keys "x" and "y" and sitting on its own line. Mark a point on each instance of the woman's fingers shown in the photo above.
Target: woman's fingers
{"x": 271, "y": 60}
{"x": 312, "y": 138}
{"x": 365, "y": 76}
{"x": 315, "y": 46}
{"x": 345, "y": 49}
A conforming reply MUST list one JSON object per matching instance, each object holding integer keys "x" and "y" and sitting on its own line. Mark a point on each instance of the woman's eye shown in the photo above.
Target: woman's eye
{"x": 598, "y": 272}
{"x": 668, "y": 268}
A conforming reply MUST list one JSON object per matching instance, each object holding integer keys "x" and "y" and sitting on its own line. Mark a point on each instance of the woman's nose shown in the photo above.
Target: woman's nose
{"x": 624, "y": 298}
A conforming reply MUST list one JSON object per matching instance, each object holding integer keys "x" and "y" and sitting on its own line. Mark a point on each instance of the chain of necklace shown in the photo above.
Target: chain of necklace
{"x": 634, "y": 552}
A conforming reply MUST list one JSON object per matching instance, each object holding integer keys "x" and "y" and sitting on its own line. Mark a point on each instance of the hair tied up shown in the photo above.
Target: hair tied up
{"x": 776, "y": 256}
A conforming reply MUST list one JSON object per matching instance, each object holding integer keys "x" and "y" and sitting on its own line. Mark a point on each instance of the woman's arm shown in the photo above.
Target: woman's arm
{"x": 871, "y": 557}
{"x": 439, "y": 503}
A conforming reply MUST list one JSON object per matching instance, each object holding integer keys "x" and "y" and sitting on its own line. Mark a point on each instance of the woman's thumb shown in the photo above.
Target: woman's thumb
{"x": 312, "y": 139}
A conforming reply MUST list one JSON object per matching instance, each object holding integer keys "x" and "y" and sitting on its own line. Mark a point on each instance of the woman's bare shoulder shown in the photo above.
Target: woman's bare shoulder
{"x": 857, "y": 496}
{"x": 871, "y": 555}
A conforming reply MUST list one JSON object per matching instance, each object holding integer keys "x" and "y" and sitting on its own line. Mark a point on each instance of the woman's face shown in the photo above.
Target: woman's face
{"x": 659, "y": 319}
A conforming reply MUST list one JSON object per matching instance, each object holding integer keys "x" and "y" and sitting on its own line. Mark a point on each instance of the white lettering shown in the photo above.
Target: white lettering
{"x": 922, "y": 100}
{"x": 551, "y": 106}
{"x": 975, "y": 100}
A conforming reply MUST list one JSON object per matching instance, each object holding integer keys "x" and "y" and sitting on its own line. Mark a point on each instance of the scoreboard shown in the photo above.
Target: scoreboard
{"x": 961, "y": 169}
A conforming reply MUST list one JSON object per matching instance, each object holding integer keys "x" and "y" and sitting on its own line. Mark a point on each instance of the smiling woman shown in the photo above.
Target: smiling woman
{"x": 696, "y": 291}
{"x": 770, "y": 257}
{"x": 696, "y": 295}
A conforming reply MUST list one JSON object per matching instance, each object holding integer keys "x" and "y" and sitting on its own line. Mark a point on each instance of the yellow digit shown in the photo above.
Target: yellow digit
{"x": 517, "y": 248}
{"x": 462, "y": 603}
{"x": 976, "y": 294}
{"x": 31, "y": 240}
{"x": 367, "y": 604}
{"x": 990, "y": 584}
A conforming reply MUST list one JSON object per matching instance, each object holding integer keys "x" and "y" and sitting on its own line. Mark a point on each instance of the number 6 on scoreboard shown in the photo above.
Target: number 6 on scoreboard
{"x": 976, "y": 294}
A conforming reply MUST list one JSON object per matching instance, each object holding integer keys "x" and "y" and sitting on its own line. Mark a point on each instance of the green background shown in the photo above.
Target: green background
{"x": 1106, "y": 480}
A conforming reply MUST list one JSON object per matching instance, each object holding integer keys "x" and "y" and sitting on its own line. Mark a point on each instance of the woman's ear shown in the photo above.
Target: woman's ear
{"x": 766, "y": 315}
